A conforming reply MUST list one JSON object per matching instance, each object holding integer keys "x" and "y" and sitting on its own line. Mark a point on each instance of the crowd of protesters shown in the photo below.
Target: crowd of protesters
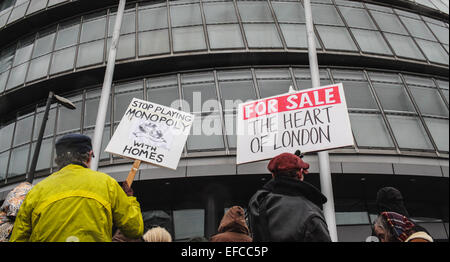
{"x": 77, "y": 204}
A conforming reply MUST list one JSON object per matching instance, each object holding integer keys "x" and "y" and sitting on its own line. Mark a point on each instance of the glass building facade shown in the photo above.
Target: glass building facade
{"x": 392, "y": 59}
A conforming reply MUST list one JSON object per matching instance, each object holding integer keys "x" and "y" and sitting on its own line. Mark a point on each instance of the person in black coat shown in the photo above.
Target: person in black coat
{"x": 288, "y": 209}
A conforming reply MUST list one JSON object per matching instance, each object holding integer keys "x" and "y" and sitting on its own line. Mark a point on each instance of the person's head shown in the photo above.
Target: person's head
{"x": 157, "y": 234}
{"x": 288, "y": 165}
{"x": 390, "y": 199}
{"x": 234, "y": 220}
{"x": 14, "y": 199}
{"x": 383, "y": 231}
{"x": 393, "y": 227}
{"x": 73, "y": 149}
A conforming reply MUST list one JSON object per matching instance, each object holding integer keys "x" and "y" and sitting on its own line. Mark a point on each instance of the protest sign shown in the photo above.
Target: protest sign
{"x": 152, "y": 133}
{"x": 311, "y": 120}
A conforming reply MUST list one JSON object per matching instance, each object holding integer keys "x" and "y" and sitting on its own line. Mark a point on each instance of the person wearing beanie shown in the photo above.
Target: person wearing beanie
{"x": 288, "y": 209}
{"x": 233, "y": 227}
{"x": 77, "y": 204}
{"x": 390, "y": 199}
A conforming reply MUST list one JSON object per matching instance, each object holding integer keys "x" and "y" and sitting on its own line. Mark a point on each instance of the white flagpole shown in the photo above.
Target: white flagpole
{"x": 324, "y": 160}
{"x": 106, "y": 89}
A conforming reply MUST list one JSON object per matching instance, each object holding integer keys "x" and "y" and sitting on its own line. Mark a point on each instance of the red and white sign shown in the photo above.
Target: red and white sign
{"x": 310, "y": 120}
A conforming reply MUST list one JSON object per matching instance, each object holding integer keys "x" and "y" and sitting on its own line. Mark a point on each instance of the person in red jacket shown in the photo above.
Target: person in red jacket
{"x": 233, "y": 227}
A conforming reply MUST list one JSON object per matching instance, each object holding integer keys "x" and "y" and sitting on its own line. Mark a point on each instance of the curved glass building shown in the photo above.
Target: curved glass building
{"x": 391, "y": 56}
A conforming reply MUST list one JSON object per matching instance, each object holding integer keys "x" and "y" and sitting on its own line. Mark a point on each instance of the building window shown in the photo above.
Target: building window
{"x": 68, "y": 119}
{"x": 38, "y": 68}
{"x": 389, "y": 23}
{"x": 67, "y": 36}
{"x": 404, "y": 46}
{"x": 358, "y": 95}
{"x": 234, "y": 91}
{"x": 154, "y": 42}
{"x": 289, "y": 12}
{"x": 185, "y": 15}
{"x": 357, "y": 18}
{"x": 19, "y": 11}
{"x": 439, "y": 131}
{"x": 257, "y": 11}
{"x": 63, "y": 60}
{"x": 336, "y": 38}
{"x": 370, "y": 130}
{"x": 417, "y": 28}
{"x": 3, "y": 164}
{"x": 43, "y": 45}
{"x": 4, "y": 4}
{"x": 24, "y": 127}
{"x": 409, "y": 132}
{"x": 128, "y": 23}
{"x": 36, "y": 5}
{"x": 262, "y": 36}
{"x": 164, "y": 91}
{"x": 295, "y": 36}
{"x": 90, "y": 53}
{"x": 6, "y": 134}
{"x": 303, "y": 78}
{"x": 18, "y": 161}
{"x": 391, "y": 92}
{"x": 150, "y": 19}
{"x": 45, "y": 154}
{"x": 206, "y": 133}
{"x": 326, "y": 15}
{"x": 273, "y": 82}
{"x": 440, "y": 32}
{"x": 23, "y": 54}
{"x": 434, "y": 51}
{"x": 371, "y": 42}
{"x": 444, "y": 88}
{"x": 189, "y": 223}
{"x": 219, "y": 12}
{"x": 49, "y": 127}
{"x": 123, "y": 94}
{"x": 188, "y": 39}
{"x": 91, "y": 108}
{"x": 93, "y": 30}
{"x": 429, "y": 101}
{"x": 199, "y": 89}
{"x": 125, "y": 48}
{"x": 225, "y": 36}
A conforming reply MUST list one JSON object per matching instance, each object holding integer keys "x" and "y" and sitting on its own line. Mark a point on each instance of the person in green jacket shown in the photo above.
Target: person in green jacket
{"x": 76, "y": 203}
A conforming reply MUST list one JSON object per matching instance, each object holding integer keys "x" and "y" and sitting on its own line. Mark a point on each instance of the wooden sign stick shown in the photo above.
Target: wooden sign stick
{"x": 133, "y": 171}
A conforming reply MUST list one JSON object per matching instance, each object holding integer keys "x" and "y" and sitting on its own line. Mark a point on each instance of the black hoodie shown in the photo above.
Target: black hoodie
{"x": 288, "y": 210}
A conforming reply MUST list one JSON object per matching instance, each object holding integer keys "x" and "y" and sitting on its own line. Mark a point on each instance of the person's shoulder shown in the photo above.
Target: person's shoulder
{"x": 101, "y": 175}
{"x": 259, "y": 195}
{"x": 420, "y": 236}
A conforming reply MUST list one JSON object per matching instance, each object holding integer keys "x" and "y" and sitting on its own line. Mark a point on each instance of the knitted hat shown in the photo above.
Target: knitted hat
{"x": 389, "y": 199}
{"x": 400, "y": 225}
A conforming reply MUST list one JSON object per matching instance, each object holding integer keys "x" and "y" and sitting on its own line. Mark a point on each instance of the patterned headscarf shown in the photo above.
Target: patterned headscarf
{"x": 15, "y": 198}
{"x": 10, "y": 208}
{"x": 401, "y": 225}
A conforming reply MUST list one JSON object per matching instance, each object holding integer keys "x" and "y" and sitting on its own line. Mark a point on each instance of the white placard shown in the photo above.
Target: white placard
{"x": 311, "y": 120}
{"x": 153, "y": 133}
